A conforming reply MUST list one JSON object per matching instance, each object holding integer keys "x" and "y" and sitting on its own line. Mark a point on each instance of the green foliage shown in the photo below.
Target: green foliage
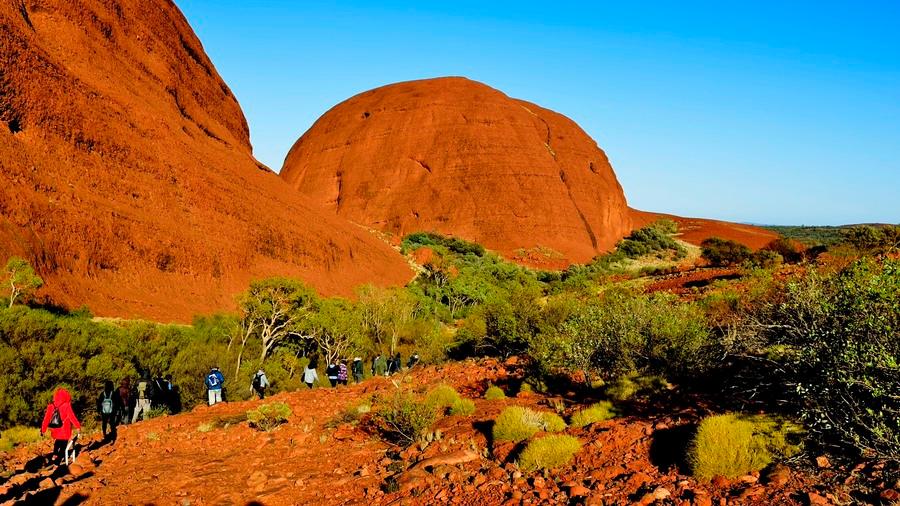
{"x": 625, "y": 333}
{"x": 462, "y": 407}
{"x": 724, "y": 252}
{"x": 419, "y": 239}
{"x": 874, "y": 240}
{"x": 838, "y": 333}
{"x": 786, "y": 249}
{"x": 811, "y": 236}
{"x": 733, "y": 445}
{"x": 516, "y": 423}
{"x": 403, "y": 419}
{"x": 598, "y": 412}
{"x": 442, "y": 397}
{"x": 269, "y": 416}
{"x": 21, "y": 280}
{"x": 16, "y": 436}
{"x": 494, "y": 393}
{"x": 624, "y": 388}
{"x": 548, "y": 452}
{"x": 351, "y": 414}
{"x": 654, "y": 239}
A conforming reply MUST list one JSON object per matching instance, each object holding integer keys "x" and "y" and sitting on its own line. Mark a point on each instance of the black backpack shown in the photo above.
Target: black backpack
{"x": 257, "y": 381}
{"x": 55, "y": 420}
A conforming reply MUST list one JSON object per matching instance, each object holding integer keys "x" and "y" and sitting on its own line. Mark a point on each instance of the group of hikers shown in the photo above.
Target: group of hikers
{"x": 338, "y": 372}
{"x": 127, "y": 403}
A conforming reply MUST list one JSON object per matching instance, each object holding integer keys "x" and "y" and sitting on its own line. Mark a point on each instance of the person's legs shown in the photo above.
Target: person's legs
{"x": 59, "y": 450}
{"x": 137, "y": 411}
{"x": 212, "y": 397}
{"x": 217, "y": 396}
{"x": 145, "y": 409}
{"x": 105, "y": 423}
{"x": 309, "y": 385}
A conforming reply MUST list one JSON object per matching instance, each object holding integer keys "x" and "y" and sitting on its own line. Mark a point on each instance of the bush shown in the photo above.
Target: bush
{"x": 442, "y": 397}
{"x": 733, "y": 445}
{"x": 548, "y": 452}
{"x": 494, "y": 393}
{"x": 624, "y": 388}
{"x": 598, "y": 412}
{"x": 724, "y": 252}
{"x": 403, "y": 419}
{"x": 15, "y": 436}
{"x": 652, "y": 239}
{"x": 350, "y": 414}
{"x": 516, "y": 424}
{"x": 463, "y": 407}
{"x": 269, "y": 416}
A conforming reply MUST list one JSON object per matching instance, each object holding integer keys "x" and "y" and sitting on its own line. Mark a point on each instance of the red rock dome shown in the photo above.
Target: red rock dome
{"x": 458, "y": 157}
{"x": 126, "y": 173}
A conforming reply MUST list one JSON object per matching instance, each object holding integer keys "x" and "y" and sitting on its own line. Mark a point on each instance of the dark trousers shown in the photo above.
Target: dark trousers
{"x": 333, "y": 381}
{"x": 310, "y": 385}
{"x": 357, "y": 377}
{"x": 108, "y": 421}
{"x": 59, "y": 450}
{"x": 260, "y": 392}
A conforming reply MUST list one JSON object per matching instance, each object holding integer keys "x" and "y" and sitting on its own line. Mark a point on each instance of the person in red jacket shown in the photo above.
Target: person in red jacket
{"x": 62, "y": 403}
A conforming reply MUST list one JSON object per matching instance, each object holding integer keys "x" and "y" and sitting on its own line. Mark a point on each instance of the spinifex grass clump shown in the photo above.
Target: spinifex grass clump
{"x": 548, "y": 452}
{"x": 598, "y": 412}
{"x": 15, "y": 436}
{"x": 516, "y": 424}
{"x": 733, "y": 445}
{"x": 494, "y": 393}
{"x": 403, "y": 419}
{"x": 269, "y": 416}
{"x": 463, "y": 407}
{"x": 442, "y": 397}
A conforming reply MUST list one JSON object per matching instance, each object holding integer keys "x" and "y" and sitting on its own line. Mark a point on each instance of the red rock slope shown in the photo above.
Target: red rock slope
{"x": 696, "y": 230}
{"x": 458, "y": 157}
{"x": 126, "y": 171}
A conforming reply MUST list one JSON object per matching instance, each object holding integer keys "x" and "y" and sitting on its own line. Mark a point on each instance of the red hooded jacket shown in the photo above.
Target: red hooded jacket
{"x": 63, "y": 402}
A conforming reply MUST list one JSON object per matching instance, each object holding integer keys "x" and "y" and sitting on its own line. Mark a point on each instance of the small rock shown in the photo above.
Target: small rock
{"x": 538, "y": 482}
{"x": 823, "y": 462}
{"x": 721, "y": 482}
{"x": 46, "y": 483}
{"x": 702, "y": 500}
{"x": 748, "y": 479}
{"x": 578, "y": 491}
{"x": 754, "y": 491}
{"x": 814, "y": 499}
{"x": 778, "y": 476}
{"x": 890, "y": 495}
{"x": 658, "y": 494}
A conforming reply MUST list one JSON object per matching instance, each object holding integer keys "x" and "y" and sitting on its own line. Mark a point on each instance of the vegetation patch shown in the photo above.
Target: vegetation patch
{"x": 269, "y": 416}
{"x": 463, "y": 407}
{"x": 733, "y": 445}
{"x": 494, "y": 393}
{"x": 624, "y": 388}
{"x": 403, "y": 419}
{"x": 19, "y": 435}
{"x": 517, "y": 423}
{"x": 442, "y": 397}
{"x": 549, "y": 452}
{"x": 598, "y": 412}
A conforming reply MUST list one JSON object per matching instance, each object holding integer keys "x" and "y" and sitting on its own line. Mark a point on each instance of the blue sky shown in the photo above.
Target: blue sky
{"x": 766, "y": 112}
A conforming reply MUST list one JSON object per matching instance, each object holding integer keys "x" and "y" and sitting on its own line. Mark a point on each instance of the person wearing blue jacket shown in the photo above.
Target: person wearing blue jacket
{"x": 214, "y": 383}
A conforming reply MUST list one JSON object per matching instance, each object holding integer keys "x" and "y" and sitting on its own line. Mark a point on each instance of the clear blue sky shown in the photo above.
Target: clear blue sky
{"x": 766, "y": 112}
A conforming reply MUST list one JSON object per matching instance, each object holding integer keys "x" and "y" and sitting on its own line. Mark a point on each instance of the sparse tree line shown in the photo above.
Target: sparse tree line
{"x": 824, "y": 342}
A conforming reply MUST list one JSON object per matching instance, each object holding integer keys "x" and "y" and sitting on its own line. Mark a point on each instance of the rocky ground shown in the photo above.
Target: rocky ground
{"x": 208, "y": 456}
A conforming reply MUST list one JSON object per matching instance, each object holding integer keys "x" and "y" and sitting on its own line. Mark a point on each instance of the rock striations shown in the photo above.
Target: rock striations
{"x": 455, "y": 156}
{"x": 126, "y": 172}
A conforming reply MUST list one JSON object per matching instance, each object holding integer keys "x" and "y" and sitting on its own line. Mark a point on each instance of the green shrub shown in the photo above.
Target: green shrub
{"x": 526, "y": 388}
{"x": 625, "y": 387}
{"x": 548, "y": 452}
{"x": 494, "y": 393}
{"x": 598, "y": 412}
{"x": 733, "y": 445}
{"x": 403, "y": 419}
{"x": 724, "y": 252}
{"x": 463, "y": 407}
{"x": 15, "y": 436}
{"x": 269, "y": 416}
{"x": 655, "y": 238}
{"x": 442, "y": 397}
{"x": 351, "y": 414}
{"x": 516, "y": 423}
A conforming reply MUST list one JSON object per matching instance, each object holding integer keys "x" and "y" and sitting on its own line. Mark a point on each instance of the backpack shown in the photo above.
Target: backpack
{"x": 55, "y": 420}
{"x": 212, "y": 380}
{"x": 257, "y": 381}
{"x": 142, "y": 388}
{"x": 106, "y": 407}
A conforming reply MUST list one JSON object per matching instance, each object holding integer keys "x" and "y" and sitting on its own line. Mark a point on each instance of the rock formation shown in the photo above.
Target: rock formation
{"x": 458, "y": 157}
{"x": 126, "y": 173}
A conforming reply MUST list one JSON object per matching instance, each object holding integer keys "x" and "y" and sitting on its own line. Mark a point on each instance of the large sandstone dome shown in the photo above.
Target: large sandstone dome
{"x": 455, "y": 156}
{"x": 126, "y": 173}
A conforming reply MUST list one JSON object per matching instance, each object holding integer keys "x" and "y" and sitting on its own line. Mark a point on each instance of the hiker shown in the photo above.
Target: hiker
{"x": 332, "y": 372}
{"x": 143, "y": 392}
{"x": 394, "y": 364}
{"x": 60, "y": 419}
{"x": 259, "y": 384}
{"x": 343, "y": 372}
{"x": 413, "y": 360}
{"x": 214, "y": 383}
{"x": 310, "y": 375}
{"x": 357, "y": 369}
{"x": 174, "y": 396}
{"x": 125, "y": 397}
{"x": 109, "y": 404}
{"x": 379, "y": 366}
